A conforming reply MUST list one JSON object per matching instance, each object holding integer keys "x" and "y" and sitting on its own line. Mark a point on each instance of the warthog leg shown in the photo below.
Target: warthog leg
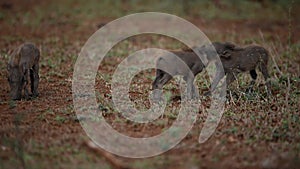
{"x": 252, "y": 83}
{"x": 264, "y": 70}
{"x": 34, "y": 78}
{"x": 25, "y": 84}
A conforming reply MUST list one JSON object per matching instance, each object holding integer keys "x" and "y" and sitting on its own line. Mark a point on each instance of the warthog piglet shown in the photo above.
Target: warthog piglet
{"x": 22, "y": 66}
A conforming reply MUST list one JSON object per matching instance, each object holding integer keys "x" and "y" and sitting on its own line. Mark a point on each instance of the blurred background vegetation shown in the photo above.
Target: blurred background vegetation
{"x": 77, "y": 10}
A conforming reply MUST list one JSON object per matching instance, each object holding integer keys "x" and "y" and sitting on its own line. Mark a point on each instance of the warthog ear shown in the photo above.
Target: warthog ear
{"x": 229, "y": 45}
{"x": 228, "y": 48}
{"x": 226, "y": 54}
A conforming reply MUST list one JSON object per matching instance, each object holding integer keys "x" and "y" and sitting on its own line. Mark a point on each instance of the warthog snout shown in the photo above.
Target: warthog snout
{"x": 15, "y": 82}
{"x": 16, "y": 90}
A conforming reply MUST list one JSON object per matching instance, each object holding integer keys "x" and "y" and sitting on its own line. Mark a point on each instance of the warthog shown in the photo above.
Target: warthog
{"x": 233, "y": 59}
{"x": 237, "y": 59}
{"x": 23, "y": 64}
{"x": 187, "y": 64}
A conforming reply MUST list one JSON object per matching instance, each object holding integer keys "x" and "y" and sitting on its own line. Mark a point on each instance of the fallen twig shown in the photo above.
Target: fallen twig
{"x": 114, "y": 162}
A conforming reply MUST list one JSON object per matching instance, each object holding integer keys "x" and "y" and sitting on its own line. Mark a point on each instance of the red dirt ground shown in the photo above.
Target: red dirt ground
{"x": 44, "y": 132}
